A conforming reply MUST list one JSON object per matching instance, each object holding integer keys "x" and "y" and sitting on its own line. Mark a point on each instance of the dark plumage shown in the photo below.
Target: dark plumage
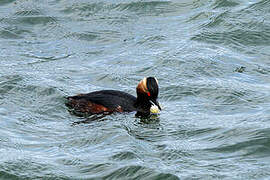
{"x": 109, "y": 101}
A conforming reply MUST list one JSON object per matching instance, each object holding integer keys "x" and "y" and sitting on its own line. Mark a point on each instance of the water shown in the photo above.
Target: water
{"x": 212, "y": 62}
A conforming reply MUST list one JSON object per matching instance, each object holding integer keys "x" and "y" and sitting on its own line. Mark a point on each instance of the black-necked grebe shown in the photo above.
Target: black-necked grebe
{"x": 109, "y": 101}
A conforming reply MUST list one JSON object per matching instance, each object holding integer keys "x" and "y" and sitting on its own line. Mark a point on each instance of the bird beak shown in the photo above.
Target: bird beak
{"x": 155, "y": 107}
{"x": 158, "y": 105}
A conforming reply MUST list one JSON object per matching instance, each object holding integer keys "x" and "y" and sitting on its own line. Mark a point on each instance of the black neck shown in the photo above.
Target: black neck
{"x": 142, "y": 104}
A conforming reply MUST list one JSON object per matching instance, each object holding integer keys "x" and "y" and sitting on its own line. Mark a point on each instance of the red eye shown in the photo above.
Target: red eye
{"x": 149, "y": 94}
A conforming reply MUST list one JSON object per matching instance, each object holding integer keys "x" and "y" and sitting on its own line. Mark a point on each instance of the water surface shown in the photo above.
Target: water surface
{"x": 212, "y": 62}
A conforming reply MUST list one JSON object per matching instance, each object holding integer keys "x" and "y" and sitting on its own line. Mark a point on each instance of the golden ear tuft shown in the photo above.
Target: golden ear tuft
{"x": 142, "y": 86}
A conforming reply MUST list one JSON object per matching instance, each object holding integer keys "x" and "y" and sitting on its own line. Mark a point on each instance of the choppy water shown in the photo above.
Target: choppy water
{"x": 212, "y": 59}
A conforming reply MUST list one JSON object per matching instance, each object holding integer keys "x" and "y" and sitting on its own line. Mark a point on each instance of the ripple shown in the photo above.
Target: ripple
{"x": 8, "y": 175}
{"x": 43, "y": 59}
{"x": 124, "y": 156}
{"x": 28, "y": 12}
{"x": 36, "y": 20}
{"x": 245, "y": 37}
{"x": 31, "y": 99}
{"x": 260, "y": 6}
{"x": 152, "y": 40}
{"x": 13, "y": 33}
{"x": 218, "y": 92}
{"x": 127, "y": 10}
{"x": 138, "y": 172}
{"x": 89, "y": 36}
{"x": 4, "y": 2}
{"x": 14, "y": 168}
{"x": 84, "y": 9}
{"x": 8, "y": 83}
{"x": 70, "y": 162}
{"x": 20, "y": 25}
{"x": 101, "y": 36}
{"x": 231, "y": 28}
{"x": 95, "y": 169}
{"x": 147, "y": 8}
{"x": 224, "y": 3}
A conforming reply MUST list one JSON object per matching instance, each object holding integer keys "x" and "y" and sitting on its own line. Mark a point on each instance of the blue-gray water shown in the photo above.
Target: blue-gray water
{"x": 212, "y": 60}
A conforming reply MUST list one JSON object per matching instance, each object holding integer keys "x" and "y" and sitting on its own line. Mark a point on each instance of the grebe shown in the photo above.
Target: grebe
{"x": 109, "y": 101}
